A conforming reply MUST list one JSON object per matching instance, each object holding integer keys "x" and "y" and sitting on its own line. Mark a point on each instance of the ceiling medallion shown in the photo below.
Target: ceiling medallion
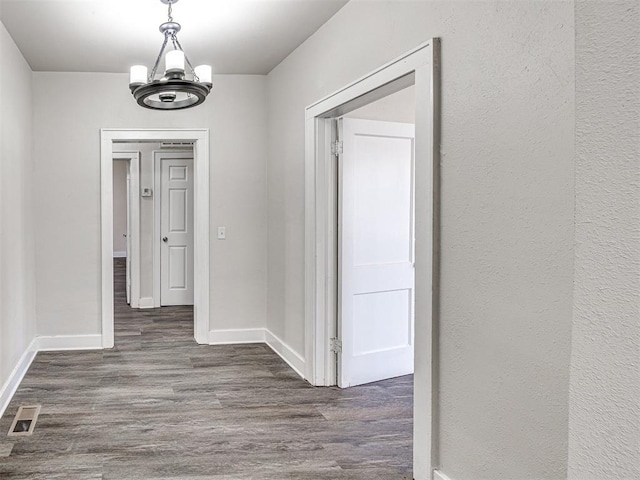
{"x": 176, "y": 89}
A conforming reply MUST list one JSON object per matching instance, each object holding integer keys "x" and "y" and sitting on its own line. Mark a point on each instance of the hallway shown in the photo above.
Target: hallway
{"x": 159, "y": 406}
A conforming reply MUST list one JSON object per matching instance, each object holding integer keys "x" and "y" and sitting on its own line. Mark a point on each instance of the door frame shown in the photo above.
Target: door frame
{"x": 420, "y": 66}
{"x": 133, "y": 159}
{"x": 157, "y": 159}
{"x": 200, "y": 139}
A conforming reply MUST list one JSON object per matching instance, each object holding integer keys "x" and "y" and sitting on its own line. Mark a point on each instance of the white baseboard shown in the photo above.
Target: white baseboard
{"x": 119, "y": 254}
{"x": 259, "y": 335}
{"x": 43, "y": 344}
{"x": 145, "y": 302}
{"x": 438, "y": 475}
{"x": 69, "y": 342}
{"x": 244, "y": 335}
{"x": 18, "y": 373}
{"x": 289, "y": 355}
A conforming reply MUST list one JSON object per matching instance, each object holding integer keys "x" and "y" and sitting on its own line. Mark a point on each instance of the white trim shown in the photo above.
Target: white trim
{"x": 200, "y": 137}
{"x": 69, "y": 342}
{"x": 158, "y": 156}
{"x": 293, "y": 359}
{"x": 420, "y": 66}
{"x": 240, "y": 335}
{"x": 259, "y": 335}
{"x": 438, "y": 475}
{"x": 155, "y": 245}
{"x": 119, "y": 254}
{"x": 17, "y": 374}
{"x": 146, "y": 302}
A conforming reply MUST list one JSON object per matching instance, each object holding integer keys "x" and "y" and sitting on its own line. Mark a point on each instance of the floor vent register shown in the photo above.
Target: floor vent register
{"x": 25, "y": 421}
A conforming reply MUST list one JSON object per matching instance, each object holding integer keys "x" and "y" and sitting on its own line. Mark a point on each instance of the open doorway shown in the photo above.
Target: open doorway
{"x": 419, "y": 67}
{"x": 113, "y": 140}
{"x": 376, "y": 241}
{"x": 126, "y": 220}
{"x": 155, "y": 180}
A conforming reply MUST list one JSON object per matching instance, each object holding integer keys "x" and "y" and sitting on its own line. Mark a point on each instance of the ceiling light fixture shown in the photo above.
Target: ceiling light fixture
{"x": 176, "y": 89}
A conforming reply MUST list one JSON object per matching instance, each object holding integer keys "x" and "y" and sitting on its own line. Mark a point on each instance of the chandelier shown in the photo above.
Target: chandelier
{"x": 177, "y": 88}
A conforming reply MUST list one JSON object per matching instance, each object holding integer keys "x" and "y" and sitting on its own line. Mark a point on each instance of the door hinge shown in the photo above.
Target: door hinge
{"x": 336, "y": 147}
{"x": 336, "y": 345}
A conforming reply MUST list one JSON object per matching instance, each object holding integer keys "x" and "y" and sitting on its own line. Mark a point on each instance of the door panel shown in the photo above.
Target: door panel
{"x": 383, "y": 226}
{"x": 177, "y": 267}
{"x": 176, "y": 227}
{"x": 376, "y": 248}
{"x": 178, "y": 210}
{"x": 385, "y": 315}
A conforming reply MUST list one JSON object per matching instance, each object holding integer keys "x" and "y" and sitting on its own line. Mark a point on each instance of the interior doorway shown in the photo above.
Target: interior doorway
{"x": 200, "y": 140}
{"x": 419, "y": 67}
{"x": 126, "y": 220}
{"x": 161, "y": 229}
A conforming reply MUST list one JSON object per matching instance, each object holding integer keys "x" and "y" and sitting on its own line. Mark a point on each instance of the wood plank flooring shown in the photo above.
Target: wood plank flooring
{"x": 159, "y": 406}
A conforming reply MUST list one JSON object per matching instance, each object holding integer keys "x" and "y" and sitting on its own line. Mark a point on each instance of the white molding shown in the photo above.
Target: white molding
{"x": 239, "y": 335}
{"x": 155, "y": 244}
{"x": 17, "y": 374}
{"x": 69, "y": 342}
{"x": 289, "y": 355}
{"x": 119, "y": 254}
{"x": 146, "y": 302}
{"x": 422, "y": 67}
{"x": 438, "y": 475}
{"x": 260, "y": 335}
{"x": 134, "y": 219}
{"x": 200, "y": 139}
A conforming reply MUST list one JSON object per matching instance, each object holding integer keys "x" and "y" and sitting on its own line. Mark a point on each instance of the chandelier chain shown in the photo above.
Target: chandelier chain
{"x": 170, "y": 11}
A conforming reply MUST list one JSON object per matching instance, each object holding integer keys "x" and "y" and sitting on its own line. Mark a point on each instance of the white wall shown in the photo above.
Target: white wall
{"x": 120, "y": 170}
{"x": 68, "y": 182}
{"x": 17, "y": 280}
{"x": 604, "y": 422}
{"x": 507, "y": 213}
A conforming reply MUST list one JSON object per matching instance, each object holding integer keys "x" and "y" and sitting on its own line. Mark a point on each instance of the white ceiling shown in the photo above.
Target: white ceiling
{"x": 234, "y": 36}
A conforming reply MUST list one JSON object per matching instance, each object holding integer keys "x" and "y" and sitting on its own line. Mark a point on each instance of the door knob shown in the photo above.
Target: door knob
{"x": 165, "y": 239}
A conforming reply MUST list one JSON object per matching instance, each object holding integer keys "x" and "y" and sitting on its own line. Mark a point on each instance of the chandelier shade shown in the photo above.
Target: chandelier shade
{"x": 181, "y": 86}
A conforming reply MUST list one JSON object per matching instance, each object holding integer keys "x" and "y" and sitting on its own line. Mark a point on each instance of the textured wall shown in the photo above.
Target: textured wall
{"x": 604, "y": 428}
{"x": 68, "y": 185}
{"x": 507, "y": 213}
{"x": 17, "y": 280}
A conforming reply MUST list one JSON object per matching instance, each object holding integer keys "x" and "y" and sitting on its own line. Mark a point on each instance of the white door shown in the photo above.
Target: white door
{"x": 376, "y": 251}
{"x": 176, "y": 229}
{"x": 128, "y": 235}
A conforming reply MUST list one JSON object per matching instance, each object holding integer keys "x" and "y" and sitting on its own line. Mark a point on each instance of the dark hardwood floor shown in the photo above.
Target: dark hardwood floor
{"x": 159, "y": 406}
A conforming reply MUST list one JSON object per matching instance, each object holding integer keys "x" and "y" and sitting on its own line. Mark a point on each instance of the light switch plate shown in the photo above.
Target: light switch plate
{"x": 222, "y": 233}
